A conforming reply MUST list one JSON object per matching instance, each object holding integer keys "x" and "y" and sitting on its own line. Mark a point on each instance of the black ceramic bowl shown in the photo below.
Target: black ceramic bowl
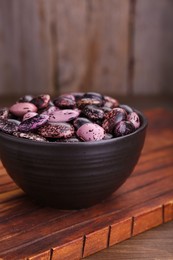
{"x": 71, "y": 175}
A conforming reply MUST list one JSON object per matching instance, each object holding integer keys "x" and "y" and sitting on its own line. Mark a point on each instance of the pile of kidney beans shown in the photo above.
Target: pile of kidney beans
{"x": 74, "y": 117}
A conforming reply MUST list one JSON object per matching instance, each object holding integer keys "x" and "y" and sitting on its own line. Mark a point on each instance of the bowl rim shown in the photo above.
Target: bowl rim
{"x": 77, "y": 144}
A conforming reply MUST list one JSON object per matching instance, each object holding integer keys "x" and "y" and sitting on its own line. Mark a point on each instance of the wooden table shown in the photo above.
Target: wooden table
{"x": 31, "y": 231}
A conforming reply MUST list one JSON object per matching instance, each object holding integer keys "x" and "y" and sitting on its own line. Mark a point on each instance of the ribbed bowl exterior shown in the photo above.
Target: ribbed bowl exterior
{"x": 71, "y": 175}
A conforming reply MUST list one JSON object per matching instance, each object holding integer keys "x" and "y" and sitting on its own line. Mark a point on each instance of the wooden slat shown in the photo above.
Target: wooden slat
{"x": 21, "y": 224}
{"x": 153, "y": 44}
{"x": 17, "y": 206}
{"x": 45, "y": 45}
{"x": 25, "y": 45}
{"x": 72, "y": 250}
{"x": 120, "y": 231}
{"x": 9, "y": 186}
{"x": 168, "y": 211}
{"x": 71, "y": 29}
{"x": 10, "y": 195}
{"x": 42, "y": 256}
{"x": 147, "y": 220}
{"x": 10, "y": 76}
{"x": 107, "y": 46}
{"x": 31, "y": 248}
{"x": 96, "y": 241}
{"x": 86, "y": 55}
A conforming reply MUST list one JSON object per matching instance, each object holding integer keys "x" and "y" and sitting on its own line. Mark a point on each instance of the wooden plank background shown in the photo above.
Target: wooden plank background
{"x": 111, "y": 46}
{"x": 153, "y": 48}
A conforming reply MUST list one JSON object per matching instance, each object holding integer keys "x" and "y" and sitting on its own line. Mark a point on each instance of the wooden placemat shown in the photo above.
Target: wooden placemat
{"x": 31, "y": 231}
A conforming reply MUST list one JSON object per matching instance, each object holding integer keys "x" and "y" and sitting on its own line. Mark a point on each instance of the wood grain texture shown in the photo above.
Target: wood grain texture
{"x": 120, "y": 231}
{"x": 10, "y": 63}
{"x": 71, "y": 26}
{"x": 153, "y": 44}
{"x": 36, "y": 46}
{"x": 117, "y": 48}
{"x": 46, "y": 45}
{"x": 147, "y": 220}
{"x": 25, "y": 45}
{"x": 92, "y": 45}
{"x": 155, "y": 244}
{"x": 96, "y": 241}
{"x": 107, "y": 46}
{"x": 42, "y": 256}
{"x": 68, "y": 251}
{"x": 29, "y": 230}
{"x": 168, "y": 211}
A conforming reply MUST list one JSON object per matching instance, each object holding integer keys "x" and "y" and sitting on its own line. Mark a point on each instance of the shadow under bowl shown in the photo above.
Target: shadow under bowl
{"x": 71, "y": 175}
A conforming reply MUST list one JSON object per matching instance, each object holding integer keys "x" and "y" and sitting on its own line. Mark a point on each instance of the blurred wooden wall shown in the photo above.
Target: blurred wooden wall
{"x": 118, "y": 47}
